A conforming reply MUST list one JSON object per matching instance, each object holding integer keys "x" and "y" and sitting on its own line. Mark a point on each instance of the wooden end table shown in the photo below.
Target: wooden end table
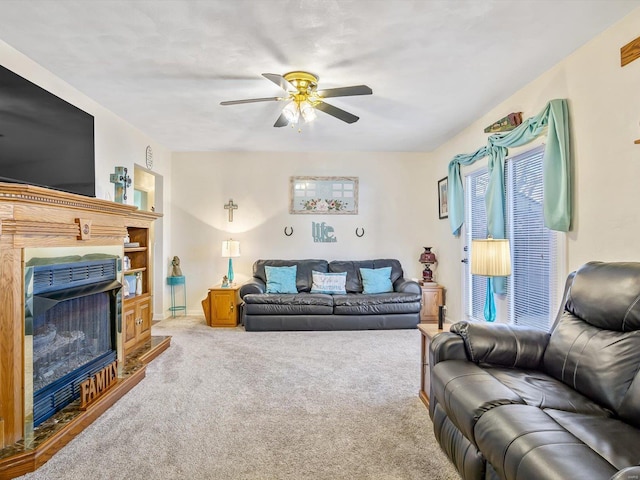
{"x": 221, "y": 307}
{"x": 432, "y": 300}
{"x": 428, "y": 331}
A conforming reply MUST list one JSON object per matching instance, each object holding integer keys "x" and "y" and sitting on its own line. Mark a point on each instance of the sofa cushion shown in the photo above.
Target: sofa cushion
{"x": 288, "y": 304}
{"x": 329, "y": 283}
{"x": 600, "y": 364}
{"x": 376, "y": 280}
{"x": 281, "y": 279}
{"x": 524, "y": 443}
{"x": 303, "y": 274}
{"x": 540, "y": 390}
{"x": 467, "y": 392}
{"x": 382, "y": 303}
{"x": 612, "y": 439}
{"x": 354, "y": 281}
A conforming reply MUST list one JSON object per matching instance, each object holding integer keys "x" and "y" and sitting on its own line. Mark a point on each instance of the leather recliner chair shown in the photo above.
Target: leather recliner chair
{"x": 516, "y": 403}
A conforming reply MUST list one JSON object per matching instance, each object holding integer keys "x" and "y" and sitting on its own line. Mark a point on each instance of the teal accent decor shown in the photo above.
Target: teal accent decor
{"x": 490, "y": 303}
{"x": 376, "y": 280}
{"x": 175, "y": 282}
{"x": 329, "y": 283}
{"x": 323, "y": 233}
{"x": 230, "y": 271}
{"x": 281, "y": 279}
{"x": 552, "y": 120}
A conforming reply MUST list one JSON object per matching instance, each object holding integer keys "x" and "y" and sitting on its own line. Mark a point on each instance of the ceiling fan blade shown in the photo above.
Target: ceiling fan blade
{"x": 279, "y": 80}
{"x": 251, "y": 100}
{"x": 337, "y": 112}
{"x": 345, "y": 91}
{"x": 282, "y": 121}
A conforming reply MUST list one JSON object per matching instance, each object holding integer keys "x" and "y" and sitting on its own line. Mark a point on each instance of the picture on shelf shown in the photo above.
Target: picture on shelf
{"x": 130, "y": 281}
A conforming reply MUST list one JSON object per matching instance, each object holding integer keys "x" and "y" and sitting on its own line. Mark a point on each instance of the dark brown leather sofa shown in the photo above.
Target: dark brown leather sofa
{"x": 263, "y": 311}
{"x": 519, "y": 404}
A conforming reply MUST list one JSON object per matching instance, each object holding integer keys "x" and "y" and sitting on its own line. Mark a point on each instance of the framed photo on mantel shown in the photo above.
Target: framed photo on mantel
{"x": 323, "y": 195}
{"x": 443, "y": 204}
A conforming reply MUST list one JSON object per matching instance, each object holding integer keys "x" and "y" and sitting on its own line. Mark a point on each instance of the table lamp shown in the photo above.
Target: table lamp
{"x": 427, "y": 258}
{"x": 230, "y": 249}
{"x": 490, "y": 258}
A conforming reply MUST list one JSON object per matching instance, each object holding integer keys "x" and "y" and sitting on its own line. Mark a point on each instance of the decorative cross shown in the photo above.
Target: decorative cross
{"x": 231, "y": 207}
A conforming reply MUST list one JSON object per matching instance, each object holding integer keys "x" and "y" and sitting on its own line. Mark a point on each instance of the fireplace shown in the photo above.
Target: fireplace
{"x": 72, "y": 311}
{"x": 62, "y": 316}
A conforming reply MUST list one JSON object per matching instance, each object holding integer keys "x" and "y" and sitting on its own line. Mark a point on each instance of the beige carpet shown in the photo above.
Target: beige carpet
{"x": 230, "y": 404}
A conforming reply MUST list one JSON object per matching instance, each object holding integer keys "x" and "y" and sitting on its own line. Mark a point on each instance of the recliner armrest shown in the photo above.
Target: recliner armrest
{"x": 501, "y": 344}
{"x": 446, "y": 346}
{"x": 255, "y": 285}
{"x": 406, "y": 286}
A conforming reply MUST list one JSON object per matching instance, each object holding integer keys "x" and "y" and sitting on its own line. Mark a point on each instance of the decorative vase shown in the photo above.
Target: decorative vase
{"x": 427, "y": 258}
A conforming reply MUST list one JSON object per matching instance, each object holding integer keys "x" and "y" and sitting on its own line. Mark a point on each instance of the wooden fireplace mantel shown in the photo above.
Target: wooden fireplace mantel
{"x": 33, "y": 217}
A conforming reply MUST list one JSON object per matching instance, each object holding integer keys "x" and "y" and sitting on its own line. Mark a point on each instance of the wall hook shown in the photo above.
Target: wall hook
{"x": 288, "y": 233}
{"x": 359, "y": 234}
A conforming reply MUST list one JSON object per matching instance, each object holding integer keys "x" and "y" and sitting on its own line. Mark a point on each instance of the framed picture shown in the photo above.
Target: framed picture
{"x": 443, "y": 203}
{"x": 323, "y": 195}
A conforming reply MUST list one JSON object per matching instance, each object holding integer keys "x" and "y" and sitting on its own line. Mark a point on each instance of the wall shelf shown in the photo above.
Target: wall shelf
{"x": 637, "y": 142}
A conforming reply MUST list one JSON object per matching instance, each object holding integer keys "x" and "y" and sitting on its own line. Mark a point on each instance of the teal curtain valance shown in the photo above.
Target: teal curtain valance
{"x": 554, "y": 120}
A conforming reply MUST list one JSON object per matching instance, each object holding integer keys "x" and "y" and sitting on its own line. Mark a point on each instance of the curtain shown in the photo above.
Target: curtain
{"x": 553, "y": 120}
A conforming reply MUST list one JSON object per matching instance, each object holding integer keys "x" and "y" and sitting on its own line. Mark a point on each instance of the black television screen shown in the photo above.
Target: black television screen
{"x": 44, "y": 140}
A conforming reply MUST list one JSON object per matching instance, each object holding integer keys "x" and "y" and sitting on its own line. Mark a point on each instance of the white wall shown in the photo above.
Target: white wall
{"x": 604, "y": 108}
{"x": 390, "y": 211}
{"x": 398, "y": 196}
{"x": 117, "y": 143}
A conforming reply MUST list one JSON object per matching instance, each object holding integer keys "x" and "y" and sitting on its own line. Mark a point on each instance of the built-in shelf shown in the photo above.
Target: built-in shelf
{"x": 135, "y": 270}
{"x": 135, "y": 249}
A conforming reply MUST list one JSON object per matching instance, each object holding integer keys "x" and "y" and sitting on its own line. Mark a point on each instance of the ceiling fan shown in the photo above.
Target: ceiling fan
{"x": 304, "y": 98}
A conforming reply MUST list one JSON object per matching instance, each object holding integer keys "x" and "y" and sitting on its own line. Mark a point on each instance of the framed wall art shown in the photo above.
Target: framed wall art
{"x": 443, "y": 203}
{"x": 323, "y": 195}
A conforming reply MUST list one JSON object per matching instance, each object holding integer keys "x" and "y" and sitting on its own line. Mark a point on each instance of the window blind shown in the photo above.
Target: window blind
{"x": 476, "y": 228}
{"x": 532, "y": 286}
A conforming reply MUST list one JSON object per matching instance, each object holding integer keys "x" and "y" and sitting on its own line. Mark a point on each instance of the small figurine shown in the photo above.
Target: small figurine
{"x": 138, "y": 283}
{"x": 176, "y": 271}
{"x": 225, "y": 282}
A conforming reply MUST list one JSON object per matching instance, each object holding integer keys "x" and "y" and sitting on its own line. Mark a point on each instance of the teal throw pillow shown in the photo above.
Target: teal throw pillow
{"x": 331, "y": 283}
{"x": 281, "y": 279}
{"x": 376, "y": 280}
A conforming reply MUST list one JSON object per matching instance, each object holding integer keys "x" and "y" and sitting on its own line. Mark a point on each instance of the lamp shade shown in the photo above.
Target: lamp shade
{"x": 230, "y": 248}
{"x": 490, "y": 257}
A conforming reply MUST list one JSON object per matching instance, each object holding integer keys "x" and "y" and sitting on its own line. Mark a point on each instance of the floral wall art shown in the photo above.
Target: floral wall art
{"x": 324, "y": 195}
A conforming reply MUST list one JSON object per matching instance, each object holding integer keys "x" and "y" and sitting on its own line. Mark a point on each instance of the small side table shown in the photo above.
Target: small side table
{"x": 432, "y": 299}
{"x": 174, "y": 282}
{"x": 221, "y": 307}
{"x": 428, "y": 331}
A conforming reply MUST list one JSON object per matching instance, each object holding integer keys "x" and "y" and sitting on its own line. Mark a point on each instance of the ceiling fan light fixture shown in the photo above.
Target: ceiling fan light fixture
{"x": 291, "y": 112}
{"x": 307, "y": 111}
{"x": 304, "y": 98}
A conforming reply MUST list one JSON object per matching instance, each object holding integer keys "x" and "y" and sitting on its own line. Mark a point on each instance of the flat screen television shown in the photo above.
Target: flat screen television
{"x": 44, "y": 140}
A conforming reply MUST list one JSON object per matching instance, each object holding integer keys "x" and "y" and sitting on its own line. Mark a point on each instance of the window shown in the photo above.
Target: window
{"x": 532, "y": 287}
{"x": 475, "y": 227}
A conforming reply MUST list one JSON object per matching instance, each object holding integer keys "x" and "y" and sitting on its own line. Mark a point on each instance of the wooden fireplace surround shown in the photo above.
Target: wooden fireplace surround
{"x": 39, "y": 217}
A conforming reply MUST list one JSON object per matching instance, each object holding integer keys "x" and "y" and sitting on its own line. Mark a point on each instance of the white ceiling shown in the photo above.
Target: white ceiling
{"x": 434, "y": 65}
